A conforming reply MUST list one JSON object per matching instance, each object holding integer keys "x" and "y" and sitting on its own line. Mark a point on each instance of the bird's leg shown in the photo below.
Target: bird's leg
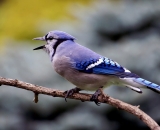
{"x": 71, "y": 92}
{"x": 96, "y": 94}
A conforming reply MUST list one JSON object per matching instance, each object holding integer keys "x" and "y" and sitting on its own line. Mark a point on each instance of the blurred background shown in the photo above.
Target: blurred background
{"x": 125, "y": 31}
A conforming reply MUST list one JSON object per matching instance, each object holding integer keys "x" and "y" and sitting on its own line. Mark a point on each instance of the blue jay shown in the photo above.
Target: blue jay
{"x": 86, "y": 69}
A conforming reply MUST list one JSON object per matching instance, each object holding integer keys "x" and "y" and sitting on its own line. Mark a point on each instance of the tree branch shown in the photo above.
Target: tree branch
{"x": 83, "y": 97}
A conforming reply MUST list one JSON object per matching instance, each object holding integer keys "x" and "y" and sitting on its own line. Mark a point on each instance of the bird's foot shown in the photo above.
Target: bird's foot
{"x": 71, "y": 92}
{"x": 95, "y": 96}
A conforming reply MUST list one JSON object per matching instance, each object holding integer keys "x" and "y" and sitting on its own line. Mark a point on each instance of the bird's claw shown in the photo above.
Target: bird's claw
{"x": 94, "y": 97}
{"x": 68, "y": 93}
{"x": 71, "y": 92}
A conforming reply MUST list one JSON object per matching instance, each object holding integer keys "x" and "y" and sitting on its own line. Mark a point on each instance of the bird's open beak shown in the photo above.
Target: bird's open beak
{"x": 40, "y": 47}
{"x": 41, "y": 39}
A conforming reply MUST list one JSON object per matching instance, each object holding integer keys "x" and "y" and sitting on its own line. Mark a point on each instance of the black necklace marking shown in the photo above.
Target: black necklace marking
{"x": 46, "y": 37}
{"x": 59, "y": 41}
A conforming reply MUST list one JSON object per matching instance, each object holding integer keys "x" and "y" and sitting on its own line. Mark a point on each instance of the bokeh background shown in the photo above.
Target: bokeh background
{"x": 125, "y": 31}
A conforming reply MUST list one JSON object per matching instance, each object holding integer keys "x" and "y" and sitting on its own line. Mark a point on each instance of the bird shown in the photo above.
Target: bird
{"x": 86, "y": 69}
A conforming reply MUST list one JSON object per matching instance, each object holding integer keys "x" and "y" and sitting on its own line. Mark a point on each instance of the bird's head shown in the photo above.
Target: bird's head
{"x": 53, "y": 39}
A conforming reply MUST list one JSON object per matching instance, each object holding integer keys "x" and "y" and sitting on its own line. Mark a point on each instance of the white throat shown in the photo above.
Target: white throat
{"x": 49, "y": 48}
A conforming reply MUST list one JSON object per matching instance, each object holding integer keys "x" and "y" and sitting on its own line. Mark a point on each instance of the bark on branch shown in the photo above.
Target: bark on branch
{"x": 83, "y": 97}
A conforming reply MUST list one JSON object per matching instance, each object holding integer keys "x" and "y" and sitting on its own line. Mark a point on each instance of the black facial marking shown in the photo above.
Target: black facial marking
{"x": 50, "y": 38}
{"x": 56, "y": 45}
{"x": 46, "y": 37}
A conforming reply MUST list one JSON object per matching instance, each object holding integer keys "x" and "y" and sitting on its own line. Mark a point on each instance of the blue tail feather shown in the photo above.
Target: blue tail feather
{"x": 149, "y": 84}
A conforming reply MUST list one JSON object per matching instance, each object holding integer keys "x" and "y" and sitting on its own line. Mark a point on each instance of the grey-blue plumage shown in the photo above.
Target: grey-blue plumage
{"x": 86, "y": 69}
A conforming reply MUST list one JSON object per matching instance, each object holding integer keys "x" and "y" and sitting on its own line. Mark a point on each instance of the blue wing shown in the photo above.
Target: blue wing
{"x": 104, "y": 66}
{"x": 107, "y": 66}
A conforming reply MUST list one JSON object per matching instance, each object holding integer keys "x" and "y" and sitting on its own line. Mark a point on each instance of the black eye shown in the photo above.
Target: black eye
{"x": 50, "y": 38}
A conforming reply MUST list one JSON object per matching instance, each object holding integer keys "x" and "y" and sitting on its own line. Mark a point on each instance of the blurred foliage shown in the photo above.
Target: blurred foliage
{"x": 18, "y": 17}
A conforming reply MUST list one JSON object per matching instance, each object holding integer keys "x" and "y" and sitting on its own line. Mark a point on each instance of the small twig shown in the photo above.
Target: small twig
{"x": 35, "y": 100}
{"x": 83, "y": 97}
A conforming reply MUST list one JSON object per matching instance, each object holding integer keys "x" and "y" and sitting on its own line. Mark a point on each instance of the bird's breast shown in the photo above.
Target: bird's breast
{"x": 61, "y": 64}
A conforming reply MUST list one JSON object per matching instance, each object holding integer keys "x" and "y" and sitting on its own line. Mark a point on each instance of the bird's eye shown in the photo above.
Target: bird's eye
{"x": 50, "y": 38}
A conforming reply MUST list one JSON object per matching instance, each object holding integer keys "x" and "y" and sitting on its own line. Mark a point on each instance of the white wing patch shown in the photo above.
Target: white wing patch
{"x": 95, "y": 64}
{"x": 126, "y": 70}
